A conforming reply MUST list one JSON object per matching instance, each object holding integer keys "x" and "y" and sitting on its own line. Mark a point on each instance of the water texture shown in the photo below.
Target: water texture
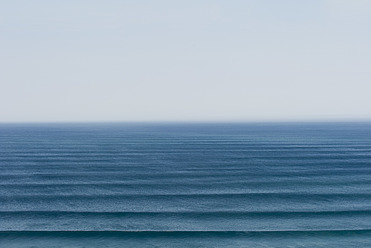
{"x": 185, "y": 185}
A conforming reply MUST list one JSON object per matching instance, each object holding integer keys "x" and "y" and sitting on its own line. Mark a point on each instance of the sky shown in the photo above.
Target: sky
{"x": 194, "y": 60}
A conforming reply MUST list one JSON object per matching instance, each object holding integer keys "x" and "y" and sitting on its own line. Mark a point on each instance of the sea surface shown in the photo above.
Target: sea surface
{"x": 185, "y": 185}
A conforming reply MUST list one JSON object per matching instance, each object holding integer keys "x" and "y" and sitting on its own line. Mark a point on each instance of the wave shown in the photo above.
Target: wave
{"x": 253, "y": 195}
{"x": 189, "y": 214}
{"x": 184, "y": 234}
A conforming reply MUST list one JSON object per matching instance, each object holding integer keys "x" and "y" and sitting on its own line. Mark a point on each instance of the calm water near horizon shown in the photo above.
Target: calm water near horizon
{"x": 185, "y": 185}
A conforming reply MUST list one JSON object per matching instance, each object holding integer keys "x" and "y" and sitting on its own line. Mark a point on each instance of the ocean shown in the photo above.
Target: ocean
{"x": 185, "y": 185}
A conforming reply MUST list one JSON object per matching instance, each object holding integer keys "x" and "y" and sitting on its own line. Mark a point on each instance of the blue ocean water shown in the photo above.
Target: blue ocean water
{"x": 185, "y": 185}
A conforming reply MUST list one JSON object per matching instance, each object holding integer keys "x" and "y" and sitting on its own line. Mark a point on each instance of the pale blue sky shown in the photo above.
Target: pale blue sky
{"x": 194, "y": 60}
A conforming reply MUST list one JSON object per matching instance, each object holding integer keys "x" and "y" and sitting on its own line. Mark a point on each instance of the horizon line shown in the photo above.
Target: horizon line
{"x": 191, "y": 121}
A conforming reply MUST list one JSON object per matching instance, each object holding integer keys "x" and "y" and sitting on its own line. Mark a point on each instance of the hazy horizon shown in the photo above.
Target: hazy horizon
{"x": 191, "y": 61}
